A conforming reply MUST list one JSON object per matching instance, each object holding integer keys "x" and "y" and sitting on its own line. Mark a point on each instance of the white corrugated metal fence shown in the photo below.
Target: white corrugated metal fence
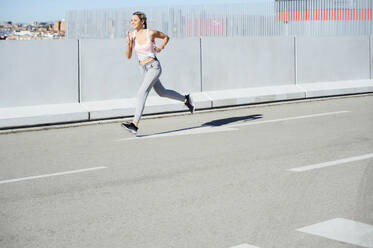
{"x": 264, "y": 18}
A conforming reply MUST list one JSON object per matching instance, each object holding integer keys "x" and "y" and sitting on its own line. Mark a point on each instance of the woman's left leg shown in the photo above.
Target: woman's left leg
{"x": 161, "y": 91}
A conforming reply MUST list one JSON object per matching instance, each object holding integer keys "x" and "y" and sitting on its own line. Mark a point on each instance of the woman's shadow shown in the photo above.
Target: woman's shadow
{"x": 226, "y": 121}
{"x": 214, "y": 123}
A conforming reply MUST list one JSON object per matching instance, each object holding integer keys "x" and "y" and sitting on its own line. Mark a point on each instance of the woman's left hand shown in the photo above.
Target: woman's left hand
{"x": 157, "y": 49}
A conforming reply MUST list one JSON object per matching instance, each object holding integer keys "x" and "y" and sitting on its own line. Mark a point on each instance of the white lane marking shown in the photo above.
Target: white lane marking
{"x": 51, "y": 175}
{"x": 290, "y": 118}
{"x": 212, "y": 129}
{"x": 196, "y": 130}
{"x": 244, "y": 246}
{"x": 344, "y": 230}
{"x": 332, "y": 163}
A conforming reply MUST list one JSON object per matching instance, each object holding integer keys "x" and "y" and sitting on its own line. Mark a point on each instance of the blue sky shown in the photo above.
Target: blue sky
{"x": 28, "y": 11}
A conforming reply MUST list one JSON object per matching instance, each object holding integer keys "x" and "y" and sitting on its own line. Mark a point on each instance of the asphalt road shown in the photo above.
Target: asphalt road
{"x": 286, "y": 175}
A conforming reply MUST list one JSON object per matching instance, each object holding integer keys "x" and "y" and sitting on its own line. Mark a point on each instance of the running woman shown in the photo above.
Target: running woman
{"x": 143, "y": 40}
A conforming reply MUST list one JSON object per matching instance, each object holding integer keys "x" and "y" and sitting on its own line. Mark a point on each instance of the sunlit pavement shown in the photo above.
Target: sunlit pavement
{"x": 287, "y": 175}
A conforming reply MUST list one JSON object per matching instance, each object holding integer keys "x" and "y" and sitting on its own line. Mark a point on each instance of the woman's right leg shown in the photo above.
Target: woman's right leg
{"x": 150, "y": 78}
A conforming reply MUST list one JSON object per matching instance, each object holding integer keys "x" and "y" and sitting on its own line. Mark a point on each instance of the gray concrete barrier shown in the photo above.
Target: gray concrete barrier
{"x": 63, "y": 81}
{"x": 244, "y": 70}
{"x": 326, "y": 59}
{"x": 333, "y": 65}
{"x": 107, "y": 75}
{"x": 39, "y": 83}
{"x": 38, "y": 72}
{"x": 233, "y": 63}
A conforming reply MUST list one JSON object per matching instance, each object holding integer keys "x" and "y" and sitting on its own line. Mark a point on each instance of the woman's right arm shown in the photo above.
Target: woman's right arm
{"x": 129, "y": 45}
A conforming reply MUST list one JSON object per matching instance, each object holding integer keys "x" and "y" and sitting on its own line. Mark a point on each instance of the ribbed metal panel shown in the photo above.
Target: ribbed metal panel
{"x": 265, "y": 18}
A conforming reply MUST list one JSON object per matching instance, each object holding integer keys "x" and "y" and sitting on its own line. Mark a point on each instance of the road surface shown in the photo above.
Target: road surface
{"x": 288, "y": 175}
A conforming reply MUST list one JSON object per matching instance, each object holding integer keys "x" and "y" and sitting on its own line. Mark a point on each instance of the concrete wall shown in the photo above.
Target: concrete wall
{"x": 107, "y": 74}
{"x": 38, "y": 72}
{"x": 181, "y": 69}
{"x": 325, "y": 59}
{"x": 68, "y": 80}
{"x": 47, "y": 72}
{"x": 231, "y": 63}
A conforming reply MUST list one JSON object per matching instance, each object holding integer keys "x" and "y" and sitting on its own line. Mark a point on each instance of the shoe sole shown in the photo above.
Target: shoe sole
{"x": 129, "y": 130}
{"x": 191, "y": 103}
{"x": 192, "y": 111}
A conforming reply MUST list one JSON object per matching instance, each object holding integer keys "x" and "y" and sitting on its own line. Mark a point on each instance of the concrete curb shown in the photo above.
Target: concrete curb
{"x": 154, "y": 105}
{"x": 255, "y": 95}
{"x": 42, "y": 114}
{"x": 121, "y": 108}
{"x": 336, "y": 88}
{"x": 63, "y": 125}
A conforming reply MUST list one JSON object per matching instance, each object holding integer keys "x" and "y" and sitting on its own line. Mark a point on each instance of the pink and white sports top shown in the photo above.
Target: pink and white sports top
{"x": 144, "y": 51}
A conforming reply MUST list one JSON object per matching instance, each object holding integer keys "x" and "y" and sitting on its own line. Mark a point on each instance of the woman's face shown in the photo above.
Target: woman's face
{"x": 136, "y": 23}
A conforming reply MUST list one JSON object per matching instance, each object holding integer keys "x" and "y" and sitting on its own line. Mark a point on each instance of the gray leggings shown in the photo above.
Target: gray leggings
{"x": 152, "y": 70}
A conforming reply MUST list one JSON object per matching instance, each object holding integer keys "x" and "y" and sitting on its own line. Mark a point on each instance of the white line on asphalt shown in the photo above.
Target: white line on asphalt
{"x": 344, "y": 230}
{"x": 244, "y": 246}
{"x": 186, "y": 131}
{"x": 51, "y": 175}
{"x": 290, "y": 118}
{"x": 332, "y": 163}
{"x": 211, "y": 129}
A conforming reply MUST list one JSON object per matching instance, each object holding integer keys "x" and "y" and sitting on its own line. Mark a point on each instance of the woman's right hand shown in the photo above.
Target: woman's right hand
{"x": 128, "y": 38}
{"x": 129, "y": 45}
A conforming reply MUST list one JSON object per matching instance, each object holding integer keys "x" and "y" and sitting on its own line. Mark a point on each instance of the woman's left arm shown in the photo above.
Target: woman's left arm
{"x": 157, "y": 34}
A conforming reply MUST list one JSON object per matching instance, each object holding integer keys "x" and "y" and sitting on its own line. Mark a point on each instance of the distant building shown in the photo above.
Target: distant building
{"x": 59, "y": 26}
{"x": 38, "y": 30}
{"x": 63, "y": 26}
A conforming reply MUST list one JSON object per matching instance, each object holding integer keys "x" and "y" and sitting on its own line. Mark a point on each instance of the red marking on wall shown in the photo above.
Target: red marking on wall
{"x": 222, "y": 26}
{"x": 200, "y": 28}
{"x": 195, "y": 27}
{"x": 321, "y": 15}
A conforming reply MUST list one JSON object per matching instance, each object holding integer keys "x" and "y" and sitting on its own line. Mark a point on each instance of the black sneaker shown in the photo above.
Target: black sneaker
{"x": 189, "y": 103}
{"x": 130, "y": 127}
